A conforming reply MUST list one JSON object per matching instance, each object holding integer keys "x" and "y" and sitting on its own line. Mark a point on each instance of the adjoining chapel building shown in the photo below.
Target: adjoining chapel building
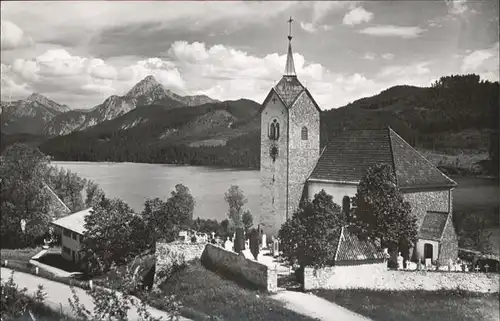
{"x": 292, "y": 166}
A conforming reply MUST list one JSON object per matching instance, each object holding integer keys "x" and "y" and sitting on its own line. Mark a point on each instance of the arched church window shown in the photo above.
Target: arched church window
{"x": 274, "y": 130}
{"x": 303, "y": 133}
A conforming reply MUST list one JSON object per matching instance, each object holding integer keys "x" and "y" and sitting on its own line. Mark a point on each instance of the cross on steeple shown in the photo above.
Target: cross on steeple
{"x": 290, "y": 28}
{"x": 289, "y": 67}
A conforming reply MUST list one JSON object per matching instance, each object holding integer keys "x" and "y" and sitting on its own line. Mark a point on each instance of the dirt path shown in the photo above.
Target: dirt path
{"x": 316, "y": 307}
{"x": 58, "y": 294}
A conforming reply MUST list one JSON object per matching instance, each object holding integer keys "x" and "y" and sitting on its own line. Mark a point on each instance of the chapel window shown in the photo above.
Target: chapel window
{"x": 274, "y": 130}
{"x": 303, "y": 133}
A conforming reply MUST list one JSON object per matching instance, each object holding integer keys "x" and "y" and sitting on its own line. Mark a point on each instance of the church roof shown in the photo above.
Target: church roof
{"x": 351, "y": 249}
{"x": 288, "y": 89}
{"x": 348, "y": 156}
{"x": 432, "y": 227}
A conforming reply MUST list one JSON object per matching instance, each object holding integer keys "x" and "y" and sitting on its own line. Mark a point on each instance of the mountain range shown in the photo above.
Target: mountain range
{"x": 457, "y": 114}
{"x": 39, "y": 115}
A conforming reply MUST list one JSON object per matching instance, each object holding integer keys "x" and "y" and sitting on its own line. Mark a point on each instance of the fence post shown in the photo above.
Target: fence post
{"x": 90, "y": 284}
{"x": 6, "y": 262}
{"x": 36, "y": 270}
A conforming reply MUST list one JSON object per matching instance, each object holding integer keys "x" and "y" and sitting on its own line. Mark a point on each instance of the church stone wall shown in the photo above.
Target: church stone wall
{"x": 303, "y": 154}
{"x": 428, "y": 201}
{"x": 338, "y": 191}
{"x": 449, "y": 243}
{"x": 273, "y": 193}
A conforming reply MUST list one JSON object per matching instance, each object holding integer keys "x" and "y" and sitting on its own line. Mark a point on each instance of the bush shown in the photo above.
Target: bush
{"x": 239, "y": 242}
{"x": 254, "y": 243}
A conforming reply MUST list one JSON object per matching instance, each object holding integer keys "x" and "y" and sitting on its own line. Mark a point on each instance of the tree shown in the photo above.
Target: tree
{"x": 15, "y": 302}
{"x": 310, "y": 236}
{"x": 254, "y": 243}
{"x": 236, "y": 200}
{"x": 475, "y": 232}
{"x": 115, "y": 301}
{"x": 247, "y": 220}
{"x": 111, "y": 234}
{"x": 94, "y": 194}
{"x": 381, "y": 212}
{"x": 68, "y": 186}
{"x": 180, "y": 206}
{"x": 24, "y": 197}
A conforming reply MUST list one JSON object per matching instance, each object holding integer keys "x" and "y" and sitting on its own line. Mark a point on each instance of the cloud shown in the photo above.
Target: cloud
{"x": 356, "y": 16}
{"x": 483, "y": 62}
{"x": 369, "y": 56}
{"x": 388, "y": 56}
{"x": 13, "y": 37}
{"x": 311, "y": 28}
{"x": 415, "y": 69}
{"x": 393, "y": 31}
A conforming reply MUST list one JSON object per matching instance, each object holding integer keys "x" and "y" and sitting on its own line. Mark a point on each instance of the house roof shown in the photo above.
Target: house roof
{"x": 432, "y": 227}
{"x": 348, "y": 156}
{"x": 351, "y": 248}
{"x": 74, "y": 222}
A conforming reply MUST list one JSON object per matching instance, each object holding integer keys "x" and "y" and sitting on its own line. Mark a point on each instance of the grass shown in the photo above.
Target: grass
{"x": 416, "y": 305}
{"x": 19, "y": 255}
{"x": 206, "y": 293}
{"x": 56, "y": 260}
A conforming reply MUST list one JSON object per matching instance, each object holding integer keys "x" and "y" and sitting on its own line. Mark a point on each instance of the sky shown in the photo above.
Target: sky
{"x": 79, "y": 53}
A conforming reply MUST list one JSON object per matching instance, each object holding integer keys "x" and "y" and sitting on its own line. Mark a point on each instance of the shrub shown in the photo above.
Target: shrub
{"x": 239, "y": 242}
{"x": 254, "y": 243}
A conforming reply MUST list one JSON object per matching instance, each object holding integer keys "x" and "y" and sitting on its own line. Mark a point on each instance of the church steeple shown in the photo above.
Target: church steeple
{"x": 290, "y": 67}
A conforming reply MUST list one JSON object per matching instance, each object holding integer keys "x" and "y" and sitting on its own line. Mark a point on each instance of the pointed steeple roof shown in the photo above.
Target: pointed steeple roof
{"x": 290, "y": 66}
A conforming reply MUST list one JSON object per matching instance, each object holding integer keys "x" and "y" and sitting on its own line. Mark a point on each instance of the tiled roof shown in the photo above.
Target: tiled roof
{"x": 433, "y": 226}
{"x": 74, "y": 222}
{"x": 289, "y": 88}
{"x": 351, "y": 248}
{"x": 413, "y": 169}
{"x": 348, "y": 156}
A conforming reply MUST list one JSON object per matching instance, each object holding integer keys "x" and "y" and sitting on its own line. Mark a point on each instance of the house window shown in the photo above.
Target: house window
{"x": 73, "y": 235}
{"x": 274, "y": 130}
{"x": 303, "y": 133}
{"x": 67, "y": 233}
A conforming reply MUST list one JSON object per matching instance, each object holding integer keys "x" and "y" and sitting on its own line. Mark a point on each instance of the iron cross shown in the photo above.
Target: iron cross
{"x": 290, "y": 28}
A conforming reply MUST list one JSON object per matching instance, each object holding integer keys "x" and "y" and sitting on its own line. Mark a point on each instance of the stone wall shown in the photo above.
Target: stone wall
{"x": 303, "y": 153}
{"x": 236, "y": 266}
{"x": 378, "y": 277}
{"x": 191, "y": 251}
{"x": 427, "y": 201}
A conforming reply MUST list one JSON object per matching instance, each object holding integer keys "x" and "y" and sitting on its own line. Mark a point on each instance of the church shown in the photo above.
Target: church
{"x": 292, "y": 167}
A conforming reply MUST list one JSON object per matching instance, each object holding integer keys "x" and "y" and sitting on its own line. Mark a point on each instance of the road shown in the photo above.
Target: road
{"x": 58, "y": 294}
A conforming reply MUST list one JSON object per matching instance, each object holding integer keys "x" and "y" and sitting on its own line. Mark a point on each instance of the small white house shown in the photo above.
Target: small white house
{"x": 72, "y": 228}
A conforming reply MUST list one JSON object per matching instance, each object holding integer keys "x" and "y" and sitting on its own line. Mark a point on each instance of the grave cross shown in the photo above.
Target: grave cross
{"x": 486, "y": 267}
{"x": 477, "y": 268}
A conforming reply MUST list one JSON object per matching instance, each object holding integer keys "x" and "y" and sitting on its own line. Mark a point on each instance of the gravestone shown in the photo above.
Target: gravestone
{"x": 275, "y": 247}
{"x": 228, "y": 245}
{"x": 428, "y": 263}
{"x": 400, "y": 261}
{"x": 264, "y": 241}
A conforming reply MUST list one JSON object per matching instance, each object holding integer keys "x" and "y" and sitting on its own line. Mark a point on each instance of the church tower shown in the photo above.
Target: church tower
{"x": 289, "y": 146}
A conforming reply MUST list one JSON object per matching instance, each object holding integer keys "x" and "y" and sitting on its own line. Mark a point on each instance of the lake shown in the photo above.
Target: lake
{"x": 135, "y": 182}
